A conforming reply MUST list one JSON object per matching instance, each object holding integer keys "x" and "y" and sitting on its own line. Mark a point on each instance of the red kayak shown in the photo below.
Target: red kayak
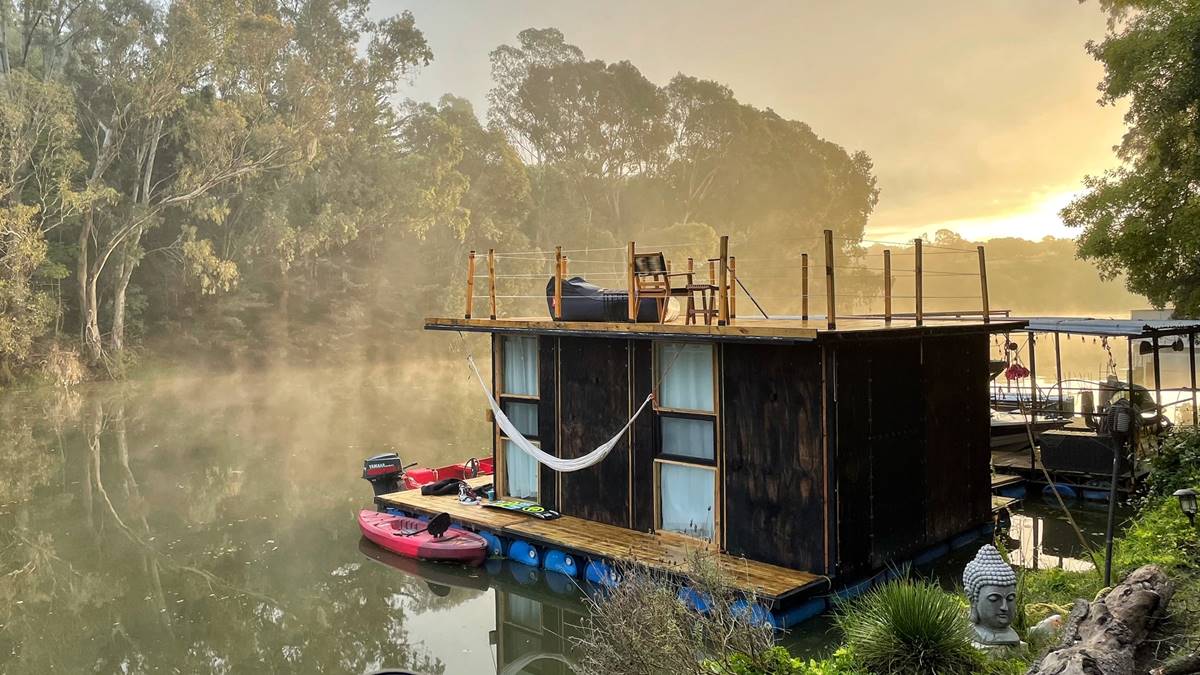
{"x": 408, "y": 537}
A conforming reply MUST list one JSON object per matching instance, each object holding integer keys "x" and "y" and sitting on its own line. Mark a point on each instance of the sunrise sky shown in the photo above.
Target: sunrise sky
{"x": 981, "y": 116}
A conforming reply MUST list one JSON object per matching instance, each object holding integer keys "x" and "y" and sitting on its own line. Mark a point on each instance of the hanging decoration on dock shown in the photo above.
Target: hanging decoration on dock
{"x": 1016, "y": 371}
{"x": 557, "y": 463}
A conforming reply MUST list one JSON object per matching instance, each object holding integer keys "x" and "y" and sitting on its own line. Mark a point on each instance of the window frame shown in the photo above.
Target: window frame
{"x": 661, "y": 458}
{"x": 501, "y": 485}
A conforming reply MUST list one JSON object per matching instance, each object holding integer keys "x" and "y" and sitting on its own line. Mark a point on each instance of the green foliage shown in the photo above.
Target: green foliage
{"x": 1143, "y": 218}
{"x": 1160, "y": 535}
{"x": 1177, "y": 463}
{"x": 778, "y": 661}
{"x": 1052, "y": 590}
{"x": 909, "y": 627}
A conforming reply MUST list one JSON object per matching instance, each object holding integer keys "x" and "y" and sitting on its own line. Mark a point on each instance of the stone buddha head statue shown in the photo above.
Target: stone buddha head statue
{"x": 991, "y": 588}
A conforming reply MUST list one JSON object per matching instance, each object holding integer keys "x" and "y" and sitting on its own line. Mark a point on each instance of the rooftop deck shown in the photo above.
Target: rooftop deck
{"x": 777, "y": 329}
{"x": 597, "y": 540}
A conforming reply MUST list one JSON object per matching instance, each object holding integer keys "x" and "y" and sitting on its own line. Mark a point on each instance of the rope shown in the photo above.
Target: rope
{"x": 751, "y": 296}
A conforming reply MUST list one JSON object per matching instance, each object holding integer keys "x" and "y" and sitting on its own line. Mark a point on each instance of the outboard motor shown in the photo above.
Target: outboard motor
{"x": 383, "y": 472}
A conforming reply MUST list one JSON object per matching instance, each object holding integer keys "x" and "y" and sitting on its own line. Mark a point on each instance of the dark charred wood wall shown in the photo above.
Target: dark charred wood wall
{"x": 774, "y": 456}
{"x": 645, "y": 438}
{"x": 957, "y": 437}
{"x": 880, "y": 452}
{"x": 912, "y": 445}
{"x": 548, "y": 417}
{"x": 593, "y": 404}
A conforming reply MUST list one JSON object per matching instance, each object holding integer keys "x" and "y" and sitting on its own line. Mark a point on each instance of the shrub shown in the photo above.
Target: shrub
{"x": 909, "y": 627}
{"x": 643, "y": 626}
{"x": 1177, "y": 464}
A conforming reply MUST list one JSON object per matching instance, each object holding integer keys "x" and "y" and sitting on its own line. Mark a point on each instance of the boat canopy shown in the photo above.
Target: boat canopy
{"x": 1131, "y": 328}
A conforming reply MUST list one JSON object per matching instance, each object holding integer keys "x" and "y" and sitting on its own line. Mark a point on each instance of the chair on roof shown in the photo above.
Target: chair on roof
{"x": 653, "y": 279}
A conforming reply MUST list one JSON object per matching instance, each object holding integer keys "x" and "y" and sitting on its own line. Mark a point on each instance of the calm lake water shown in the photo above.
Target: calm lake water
{"x": 205, "y": 524}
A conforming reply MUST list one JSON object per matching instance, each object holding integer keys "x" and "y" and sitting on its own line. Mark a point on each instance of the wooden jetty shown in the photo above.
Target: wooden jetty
{"x": 592, "y": 540}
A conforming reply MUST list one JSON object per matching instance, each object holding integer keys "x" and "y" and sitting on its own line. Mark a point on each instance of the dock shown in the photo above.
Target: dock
{"x": 597, "y": 541}
{"x": 1001, "y": 481}
{"x": 1004, "y": 503}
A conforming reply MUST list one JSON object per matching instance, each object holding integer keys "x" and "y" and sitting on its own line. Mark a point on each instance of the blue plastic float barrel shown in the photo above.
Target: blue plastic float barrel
{"x": 563, "y": 563}
{"x": 1064, "y": 491}
{"x": 523, "y": 552}
{"x": 695, "y": 600}
{"x": 601, "y": 574}
{"x": 495, "y": 544}
{"x": 758, "y": 613}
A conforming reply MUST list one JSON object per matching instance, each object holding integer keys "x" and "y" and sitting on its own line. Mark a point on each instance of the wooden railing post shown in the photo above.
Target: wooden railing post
{"x": 470, "y": 283}
{"x": 887, "y": 285}
{"x": 920, "y": 297}
{"x": 983, "y": 291}
{"x": 804, "y": 286}
{"x": 492, "y": 282}
{"x": 723, "y": 284}
{"x": 558, "y": 269}
{"x": 629, "y": 284}
{"x": 830, "y": 294}
{"x": 732, "y": 287}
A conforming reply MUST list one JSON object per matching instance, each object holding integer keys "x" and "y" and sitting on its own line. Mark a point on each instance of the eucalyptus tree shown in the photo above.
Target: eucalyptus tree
{"x": 1142, "y": 219}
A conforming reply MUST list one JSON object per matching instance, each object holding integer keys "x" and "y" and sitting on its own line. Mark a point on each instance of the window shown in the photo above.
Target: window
{"x": 686, "y": 467}
{"x": 686, "y": 499}
{"x": 518, "y": 398}
{"x": 520, "y": 366}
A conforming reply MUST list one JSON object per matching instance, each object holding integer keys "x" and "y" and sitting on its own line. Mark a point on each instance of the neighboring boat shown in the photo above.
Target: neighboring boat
{"x": 1009, "y": 431}
{"x": 413, "y": 538}
{"x": 387, "y": 473}
{"x": 416, "y": 476}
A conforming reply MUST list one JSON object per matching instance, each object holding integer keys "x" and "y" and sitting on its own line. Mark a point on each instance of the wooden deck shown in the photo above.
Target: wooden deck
{"x": 780, "y": 329}
{"x": 1001, "y": 503}
{"x": 597, "y": 540}
{"x": 1001, "y": 480}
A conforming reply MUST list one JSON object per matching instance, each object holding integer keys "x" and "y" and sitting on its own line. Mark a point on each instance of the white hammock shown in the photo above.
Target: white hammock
{"x": 557, "y": 463}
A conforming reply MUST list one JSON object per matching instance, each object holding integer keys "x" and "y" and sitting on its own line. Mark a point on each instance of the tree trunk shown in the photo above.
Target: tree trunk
{"x": 88, "y": 319}
{"x": 124, "y": 274}
{"x": 1104, "y": 637}
{"x": 116, "y": 337}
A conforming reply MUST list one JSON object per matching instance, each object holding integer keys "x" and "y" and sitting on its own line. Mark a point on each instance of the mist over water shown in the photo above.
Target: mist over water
{"x": 188, "y": 521}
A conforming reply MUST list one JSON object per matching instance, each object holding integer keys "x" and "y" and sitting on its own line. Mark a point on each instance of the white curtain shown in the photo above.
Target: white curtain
{"x": 684, "y": 437}
{"x": 524, "y": 416}
{"x": 686, "y": 500}
{"x": 524, "y": 611}
{"x": 520, "y": 366}
{"x": 686, "y": 374}
{"x": 522, "y": 472}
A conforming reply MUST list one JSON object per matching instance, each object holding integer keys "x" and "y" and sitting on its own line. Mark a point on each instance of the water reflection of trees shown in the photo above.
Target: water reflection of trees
{"x": 204, "y": 524}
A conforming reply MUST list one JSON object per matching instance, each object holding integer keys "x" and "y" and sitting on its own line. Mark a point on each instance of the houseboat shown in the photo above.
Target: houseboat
{"x": 805, "y": 453}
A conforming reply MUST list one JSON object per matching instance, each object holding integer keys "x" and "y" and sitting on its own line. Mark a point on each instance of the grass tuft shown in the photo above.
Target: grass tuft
{"x": 910, "y": 627}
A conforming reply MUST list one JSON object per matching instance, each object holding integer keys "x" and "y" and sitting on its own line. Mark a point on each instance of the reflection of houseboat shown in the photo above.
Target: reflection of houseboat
{"x": 796, "y": 450}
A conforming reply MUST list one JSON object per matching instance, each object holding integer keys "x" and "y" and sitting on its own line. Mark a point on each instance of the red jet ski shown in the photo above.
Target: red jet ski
{"x": 413, "y": 538}
{"x": 388, "y": 474}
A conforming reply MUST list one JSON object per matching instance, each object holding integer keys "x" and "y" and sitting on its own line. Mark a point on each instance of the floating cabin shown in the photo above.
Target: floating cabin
{"x": 809, "y": 452}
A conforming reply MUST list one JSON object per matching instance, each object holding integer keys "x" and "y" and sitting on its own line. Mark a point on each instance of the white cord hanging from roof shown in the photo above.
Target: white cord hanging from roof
{"x": 557, "y": 463}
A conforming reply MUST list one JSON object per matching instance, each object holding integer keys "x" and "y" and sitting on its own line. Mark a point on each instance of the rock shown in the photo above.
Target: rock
{"x": 1103, "y": 637}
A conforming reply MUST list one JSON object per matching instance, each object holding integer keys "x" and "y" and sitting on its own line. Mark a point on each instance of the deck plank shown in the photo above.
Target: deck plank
{"x": 662, "y": 552}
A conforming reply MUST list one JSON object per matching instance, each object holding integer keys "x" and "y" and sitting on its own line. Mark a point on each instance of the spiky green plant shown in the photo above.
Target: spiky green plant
{"x": 909, "y": 627}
